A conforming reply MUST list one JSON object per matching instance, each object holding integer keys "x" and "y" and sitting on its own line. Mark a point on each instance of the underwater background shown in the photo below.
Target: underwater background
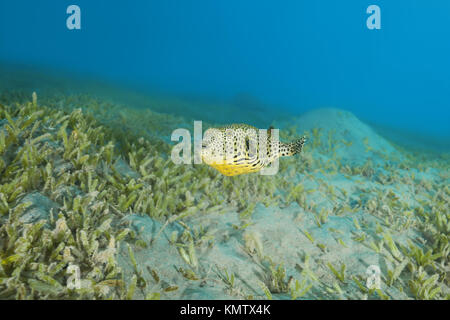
{"x": 92, "y": 206}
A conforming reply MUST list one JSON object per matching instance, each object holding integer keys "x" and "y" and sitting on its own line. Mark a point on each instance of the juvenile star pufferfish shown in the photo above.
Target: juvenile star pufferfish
{"x": 235, "y": 149}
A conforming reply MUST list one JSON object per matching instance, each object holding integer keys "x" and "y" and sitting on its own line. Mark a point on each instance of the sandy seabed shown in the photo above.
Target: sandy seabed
{"x": 353, "y": 209}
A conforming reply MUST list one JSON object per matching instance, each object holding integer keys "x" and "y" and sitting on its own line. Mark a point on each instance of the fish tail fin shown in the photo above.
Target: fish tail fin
{"x": 292, "y": 148}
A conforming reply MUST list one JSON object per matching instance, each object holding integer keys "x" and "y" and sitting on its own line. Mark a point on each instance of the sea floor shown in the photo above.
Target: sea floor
{"x": 87, "y": 184}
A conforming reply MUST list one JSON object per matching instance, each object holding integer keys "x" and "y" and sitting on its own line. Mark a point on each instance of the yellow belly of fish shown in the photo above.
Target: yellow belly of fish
{"x": 235, "y": 169}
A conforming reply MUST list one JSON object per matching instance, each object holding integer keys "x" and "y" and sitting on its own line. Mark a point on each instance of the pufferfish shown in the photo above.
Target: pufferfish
{"x": 240, "y": 148}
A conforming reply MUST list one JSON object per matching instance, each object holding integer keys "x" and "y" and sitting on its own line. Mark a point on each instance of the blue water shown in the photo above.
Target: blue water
{"x": 298, "y": 55}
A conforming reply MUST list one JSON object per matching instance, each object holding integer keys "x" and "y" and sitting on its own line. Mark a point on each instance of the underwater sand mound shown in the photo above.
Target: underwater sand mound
{"x": 341, "y": 131}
